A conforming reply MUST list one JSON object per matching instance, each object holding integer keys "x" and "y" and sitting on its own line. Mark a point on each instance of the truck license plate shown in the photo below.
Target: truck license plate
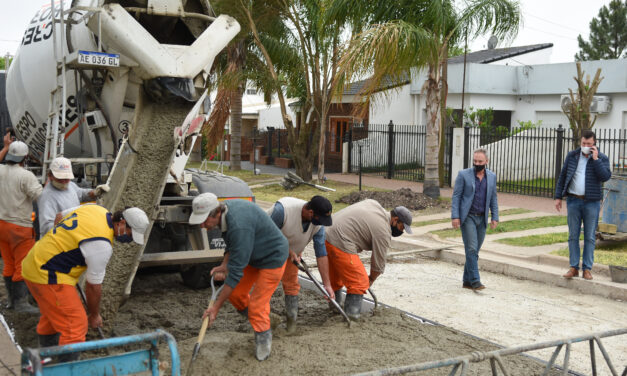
{"x": 98, "y": 58}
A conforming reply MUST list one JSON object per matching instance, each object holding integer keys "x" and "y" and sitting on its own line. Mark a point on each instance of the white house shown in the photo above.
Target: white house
{"x": 516, "y": 84}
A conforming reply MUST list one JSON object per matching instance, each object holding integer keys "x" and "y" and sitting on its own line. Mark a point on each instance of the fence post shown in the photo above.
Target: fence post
{"x": 449, "y": 143}
{"x": 466, "y": 144}
{"x": 390, "y": 173}
{"x": 360, "y": 146}
{"x": 278, "y": 137}
{"x": 348, "y": 137}
{"x": 559, "y": 146}
{"x": 270, "y": 133}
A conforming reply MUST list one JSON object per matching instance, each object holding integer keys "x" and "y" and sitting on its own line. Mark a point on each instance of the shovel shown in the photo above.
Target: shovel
{"x": 84, "y": 299}
{"x": 298, "y": 180}
{"x": 203, "y": 328}
{"x": 303, "y": 267}
{"x": 374, "y": 297}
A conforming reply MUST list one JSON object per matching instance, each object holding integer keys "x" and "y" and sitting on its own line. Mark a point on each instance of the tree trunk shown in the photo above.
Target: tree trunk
{"x": 321, "y": 148}
{"x": 431, "y": 186}
{"x": 443, "y": 120}
{"x": 236, "y": 129}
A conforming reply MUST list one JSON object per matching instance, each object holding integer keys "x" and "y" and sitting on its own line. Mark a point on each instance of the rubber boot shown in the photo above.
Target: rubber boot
{"x": 352, "y": 306}
{"x": 338, "y": 299}
{"x": 48, "y": 340}
{"x": 8, "y": 284}
{"x": 20, "y": 298}
{"x": 291, "y": 310}
{"x": 263, "y": 344}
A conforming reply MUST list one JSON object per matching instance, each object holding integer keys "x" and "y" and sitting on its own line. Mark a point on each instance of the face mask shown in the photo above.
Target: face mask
{"x": 315, "y": 221}
{"x": 124, "y": 238}
{"x": 479, "y": 167}
{"x": 59, "y": 186}
{"x": 396, "y": 232}
{"x": 585, "y": 150}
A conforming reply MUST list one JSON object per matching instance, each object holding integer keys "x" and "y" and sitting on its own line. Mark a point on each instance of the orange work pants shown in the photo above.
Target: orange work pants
{"x": 15, "y": 242}
{"x": 263, "y": 283}
{"x": 346, "y": 269}
{"x": 61, "y": 312}
{"x": 290, "y": 279}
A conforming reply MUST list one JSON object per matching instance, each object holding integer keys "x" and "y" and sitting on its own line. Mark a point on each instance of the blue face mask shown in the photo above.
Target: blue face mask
{"x": 126, "y": 238}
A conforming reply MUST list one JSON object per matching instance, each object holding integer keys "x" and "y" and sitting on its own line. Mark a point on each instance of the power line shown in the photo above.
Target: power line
{"x": 553, "y": 23}
{"x": 548, "y": 32}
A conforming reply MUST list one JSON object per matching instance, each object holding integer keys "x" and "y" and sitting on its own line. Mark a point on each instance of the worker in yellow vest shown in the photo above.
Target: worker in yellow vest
{"x": 80, "y": 243}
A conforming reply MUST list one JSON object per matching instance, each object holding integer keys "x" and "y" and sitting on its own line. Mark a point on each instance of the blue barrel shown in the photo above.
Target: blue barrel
{"x": 615, "y": 205}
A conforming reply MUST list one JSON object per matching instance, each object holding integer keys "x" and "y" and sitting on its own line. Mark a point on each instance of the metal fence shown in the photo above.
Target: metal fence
{"x": 529, "y": 161}
{"x": 396, "y": 151}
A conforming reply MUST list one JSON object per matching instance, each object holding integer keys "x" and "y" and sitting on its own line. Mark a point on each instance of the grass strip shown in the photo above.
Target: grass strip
{"x": 272, "y": 193}
{"x": 536, "y": 240}
{"x": 445, "y": 220}
{"x": 606, "y": 253}
{"x": 509, "y": 226}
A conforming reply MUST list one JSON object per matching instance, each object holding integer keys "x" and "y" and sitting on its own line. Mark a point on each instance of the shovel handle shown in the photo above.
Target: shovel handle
{"x": 303, "y": 266}
{"x": 205, "y": 324}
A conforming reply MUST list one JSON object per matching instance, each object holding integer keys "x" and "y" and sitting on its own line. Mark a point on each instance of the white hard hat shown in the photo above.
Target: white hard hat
{"x": 137, "y": 220}
{"x": 61, "y": 168}
{"x": 17, "y": 152}
{"x": 202, "y": 205}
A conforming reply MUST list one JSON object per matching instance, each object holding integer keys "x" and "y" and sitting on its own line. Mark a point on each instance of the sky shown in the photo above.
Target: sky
{"x": 544, "y": 21}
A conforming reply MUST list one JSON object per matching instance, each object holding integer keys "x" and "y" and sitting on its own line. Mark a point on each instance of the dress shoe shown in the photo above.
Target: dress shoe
{"x": 587, "y": 275}
{"x": 572, "y": 272}
{"x": 477, "y": 286}
{"x": 466, "y": 285}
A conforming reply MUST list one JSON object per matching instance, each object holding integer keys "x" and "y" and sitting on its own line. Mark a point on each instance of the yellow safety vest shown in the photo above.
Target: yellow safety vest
{"x": 56, "y": 258}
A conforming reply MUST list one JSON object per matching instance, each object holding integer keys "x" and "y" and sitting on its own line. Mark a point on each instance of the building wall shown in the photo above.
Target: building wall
{"x": 532, "y": 58}
{"x": 398, "y": 107}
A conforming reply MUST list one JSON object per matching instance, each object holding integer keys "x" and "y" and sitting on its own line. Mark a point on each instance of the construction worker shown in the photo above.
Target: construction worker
{"x": 80, "y": 243}
{"x": 18, "y": 190}
{"x": 300, "y": 222}
{"x": 254, "y": 261}
{"x": 60, "y": 193}
{"x": 363, "y": 226}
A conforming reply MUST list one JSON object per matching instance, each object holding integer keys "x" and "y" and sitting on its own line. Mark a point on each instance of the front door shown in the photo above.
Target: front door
{"x": 338, "y": 128}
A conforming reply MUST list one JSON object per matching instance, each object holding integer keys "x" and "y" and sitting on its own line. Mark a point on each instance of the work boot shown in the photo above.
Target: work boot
{"x": 8, "y": 284}
{"x": 338, "y": 299}
{"x": 20, "y": 298}
{"x": 572, "y": 272}
{"x": 352, "y": 306}
{"x": 48, "y": 340}
{"x": 263, "y": 344}
{"x": 587, "y": 274}
{"x": 291, "y": 310}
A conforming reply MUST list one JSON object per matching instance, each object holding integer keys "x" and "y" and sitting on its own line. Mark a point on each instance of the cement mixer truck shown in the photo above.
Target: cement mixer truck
{"x": 119, "y": 88}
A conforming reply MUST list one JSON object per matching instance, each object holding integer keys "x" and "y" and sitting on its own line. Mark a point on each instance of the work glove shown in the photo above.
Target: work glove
{"x": 101, "y": 189}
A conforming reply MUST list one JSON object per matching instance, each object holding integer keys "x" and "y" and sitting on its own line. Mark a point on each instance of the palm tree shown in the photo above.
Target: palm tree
{"x": 412, "y": 35}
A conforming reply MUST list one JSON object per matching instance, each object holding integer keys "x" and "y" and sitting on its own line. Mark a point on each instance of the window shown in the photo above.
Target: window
{"x": 251, "y": 91}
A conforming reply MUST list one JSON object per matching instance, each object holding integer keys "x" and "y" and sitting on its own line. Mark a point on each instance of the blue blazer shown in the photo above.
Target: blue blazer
{"x": 464, "y": 193}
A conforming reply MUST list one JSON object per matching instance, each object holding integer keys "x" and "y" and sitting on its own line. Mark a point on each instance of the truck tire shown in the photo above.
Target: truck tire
{"x": 197, "y": 276}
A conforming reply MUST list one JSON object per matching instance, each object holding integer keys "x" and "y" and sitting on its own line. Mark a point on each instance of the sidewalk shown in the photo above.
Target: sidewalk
{"x": 540, "y": 204}
{"x": 9, "y": 354}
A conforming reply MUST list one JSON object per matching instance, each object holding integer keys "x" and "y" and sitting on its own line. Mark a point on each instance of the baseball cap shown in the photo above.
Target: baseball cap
{"x": 322, "y": 208}
{"x": 17, "y": 152}
{"x": 202, "y": 205}
{"x": 137, "y": 220}
{"x": 61, "y": 168}
{"x": 405, "y": 216}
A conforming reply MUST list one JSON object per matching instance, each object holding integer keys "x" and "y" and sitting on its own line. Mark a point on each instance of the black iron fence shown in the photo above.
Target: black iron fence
{"x": 396, "y": 151}
{"x": 528, "y": 161}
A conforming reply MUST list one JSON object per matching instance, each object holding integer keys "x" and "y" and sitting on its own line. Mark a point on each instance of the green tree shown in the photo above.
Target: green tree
{"x": 608, "y": 34}
{"x": 417, "y": 36}
{"x": 300, "y": 51}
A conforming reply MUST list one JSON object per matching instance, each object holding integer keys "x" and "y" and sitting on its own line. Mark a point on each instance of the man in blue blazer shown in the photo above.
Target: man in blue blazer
{"x": 473, "y": 196}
